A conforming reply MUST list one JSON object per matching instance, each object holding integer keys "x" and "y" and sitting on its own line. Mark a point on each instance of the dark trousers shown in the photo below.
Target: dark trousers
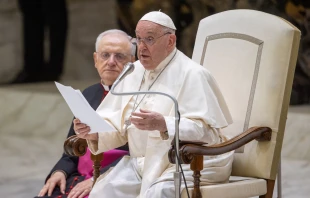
{"x": 40, "y": 17}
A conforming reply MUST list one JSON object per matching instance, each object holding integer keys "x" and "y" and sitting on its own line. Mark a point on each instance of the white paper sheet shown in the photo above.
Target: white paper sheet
{"x": 82, "y": 110}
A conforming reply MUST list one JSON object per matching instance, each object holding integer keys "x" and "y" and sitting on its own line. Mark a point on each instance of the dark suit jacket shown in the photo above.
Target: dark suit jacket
{"x": 69, "y": 164}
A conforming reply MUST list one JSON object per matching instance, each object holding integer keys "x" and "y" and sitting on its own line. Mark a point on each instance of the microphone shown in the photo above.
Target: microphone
{"x": 128, "y": 68}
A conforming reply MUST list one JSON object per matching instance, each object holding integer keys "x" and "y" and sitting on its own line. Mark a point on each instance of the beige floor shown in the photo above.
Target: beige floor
{"x": 34, "y": 120}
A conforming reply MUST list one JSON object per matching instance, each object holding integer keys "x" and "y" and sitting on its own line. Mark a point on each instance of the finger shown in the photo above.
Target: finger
{"x": 139, "y": 125}
{"x": 80, "y": 126}
{"x": 71, "y": 194}
{"x": 84, "y": 133}
{"x": 138, "y": 120}
{"x": 76, "y": 121}
{"x": 43, "y": 191}
{"x": 51, "y": 188}
{"x": 86, "y": 192}
{"x": 62, "y": 185}
{"x": 75, "y": 193}
{"x": 145, "y": 111}
{"x": 77, "y": 126}
{"x": 141, "y": 115}
{"x": 84, "y": 130}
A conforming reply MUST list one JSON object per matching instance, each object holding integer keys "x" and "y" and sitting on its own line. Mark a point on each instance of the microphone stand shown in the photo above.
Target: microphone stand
{"x": 177, "y": 174}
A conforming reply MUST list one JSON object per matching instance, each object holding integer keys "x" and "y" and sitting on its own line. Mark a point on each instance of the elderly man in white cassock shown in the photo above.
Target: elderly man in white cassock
{"x": 146, "y": 122}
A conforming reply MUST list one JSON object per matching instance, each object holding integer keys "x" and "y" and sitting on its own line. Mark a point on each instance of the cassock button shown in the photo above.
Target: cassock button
{"x": 71, "y": 187}
{"x": 59, "y": 196}
{"x": 67, "y": 193}
{"x": 75, "y": 178}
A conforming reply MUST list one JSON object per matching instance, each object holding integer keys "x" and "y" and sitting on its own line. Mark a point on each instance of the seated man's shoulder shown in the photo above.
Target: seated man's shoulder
{"x": 195, "y": 68}
{"x": 189, "y": 63}
{"x": 92, "y": 88}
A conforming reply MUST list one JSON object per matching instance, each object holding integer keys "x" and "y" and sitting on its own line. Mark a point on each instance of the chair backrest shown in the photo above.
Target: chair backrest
{"x": 252, "y": 56}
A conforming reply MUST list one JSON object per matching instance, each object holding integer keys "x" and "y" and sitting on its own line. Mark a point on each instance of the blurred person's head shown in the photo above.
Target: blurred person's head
{"x": 113, "y": 50}
{"x": 156, "y": 39}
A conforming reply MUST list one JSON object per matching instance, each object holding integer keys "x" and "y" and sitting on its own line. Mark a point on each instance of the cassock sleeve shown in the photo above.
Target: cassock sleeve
{"x": 192, "y": 130}
{"x": 202, "y": 108}
{"x": 115, "y": 140}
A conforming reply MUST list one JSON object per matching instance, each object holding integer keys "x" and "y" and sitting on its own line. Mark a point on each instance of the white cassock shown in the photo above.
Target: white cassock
{"x": 147, "y": 173}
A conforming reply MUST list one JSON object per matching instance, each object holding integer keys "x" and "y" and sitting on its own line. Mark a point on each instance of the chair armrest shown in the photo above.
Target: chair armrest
{"x": 75, "y": 146}
{"x": 189, "y": 149}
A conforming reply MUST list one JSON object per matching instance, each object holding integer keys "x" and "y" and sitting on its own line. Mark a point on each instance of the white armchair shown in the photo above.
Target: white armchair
{"x": 252, "y": 56}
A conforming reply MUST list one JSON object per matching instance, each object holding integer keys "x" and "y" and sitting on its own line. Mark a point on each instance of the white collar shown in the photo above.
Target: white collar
{"x": 106, "y": 87}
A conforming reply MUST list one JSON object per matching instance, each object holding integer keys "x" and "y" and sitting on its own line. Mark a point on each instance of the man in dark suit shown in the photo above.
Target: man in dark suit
{"x": 69, "y": 177}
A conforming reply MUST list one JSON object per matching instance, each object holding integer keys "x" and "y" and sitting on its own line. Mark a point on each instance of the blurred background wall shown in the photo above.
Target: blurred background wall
{"x": 87, "y": 18}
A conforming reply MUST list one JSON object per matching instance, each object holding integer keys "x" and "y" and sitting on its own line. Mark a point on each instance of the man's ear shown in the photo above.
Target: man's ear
{"x": 95, "y": 58}
{"x": 172, "y": 40}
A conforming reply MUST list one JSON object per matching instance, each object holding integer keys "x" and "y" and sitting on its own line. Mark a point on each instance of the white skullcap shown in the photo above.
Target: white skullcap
{"x": 159, "y": 18}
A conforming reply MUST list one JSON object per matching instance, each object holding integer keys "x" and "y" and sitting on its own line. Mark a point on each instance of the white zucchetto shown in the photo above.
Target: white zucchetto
{"x": 159, "y": 18}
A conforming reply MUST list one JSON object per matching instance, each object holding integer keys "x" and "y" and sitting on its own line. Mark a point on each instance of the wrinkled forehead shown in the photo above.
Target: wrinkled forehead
{"x": 115, "y": 43}
{"x": 148, "y": 27}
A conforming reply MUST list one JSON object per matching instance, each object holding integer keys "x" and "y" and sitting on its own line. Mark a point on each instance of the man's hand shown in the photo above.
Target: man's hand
{"x": 149, "y": 120}
{"x": 58, "y": 178}
{"x": 82, "y": 130}
{"x": 81, "y": 189}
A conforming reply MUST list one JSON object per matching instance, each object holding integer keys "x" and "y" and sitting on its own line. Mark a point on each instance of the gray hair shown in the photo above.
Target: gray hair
{"x": 166, "y": 29}
{"x": 116, "y": 31}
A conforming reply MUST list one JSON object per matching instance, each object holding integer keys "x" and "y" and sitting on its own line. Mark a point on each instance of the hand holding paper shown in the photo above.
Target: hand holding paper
{"x": 82, "y": 110}
{"x": 82, "y": 130}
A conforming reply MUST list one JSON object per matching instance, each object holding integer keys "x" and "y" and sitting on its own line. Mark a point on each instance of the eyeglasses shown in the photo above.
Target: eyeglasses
{"x": 149, "y": 40}
{"x": 119, "y": 57}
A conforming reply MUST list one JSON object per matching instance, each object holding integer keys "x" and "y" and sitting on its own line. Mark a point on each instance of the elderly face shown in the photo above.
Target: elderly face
{"x": 155, "y": 44}
{"x": 114, "y": 51}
